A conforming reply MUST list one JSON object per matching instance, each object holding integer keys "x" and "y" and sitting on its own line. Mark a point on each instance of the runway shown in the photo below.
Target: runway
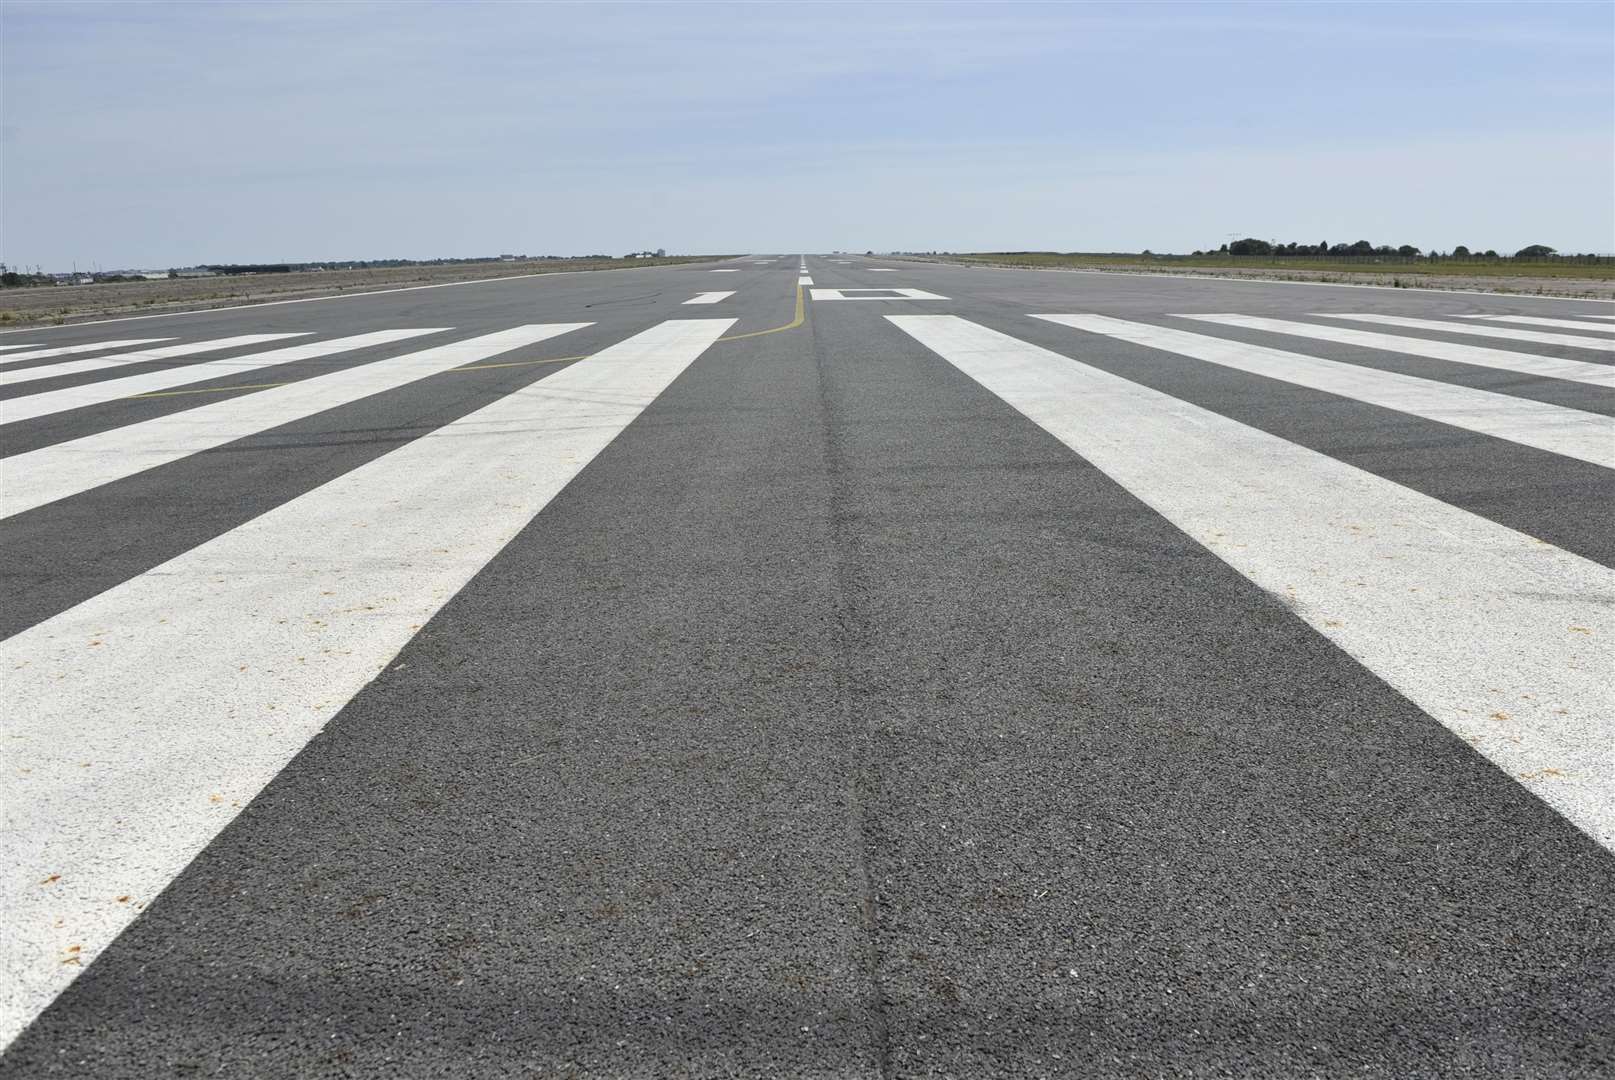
{"x": 685, "y": 671}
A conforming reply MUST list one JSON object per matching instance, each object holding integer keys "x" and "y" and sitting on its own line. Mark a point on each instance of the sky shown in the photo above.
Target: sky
{"x": 155, "y": 135}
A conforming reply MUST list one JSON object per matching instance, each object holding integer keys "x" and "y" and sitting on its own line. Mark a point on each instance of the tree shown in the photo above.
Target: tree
{"x": 1408, "y": 250}
{"x": 1534, "y": 251}
{"x": 1250, "y": 246}
{"x": 1460, "y": 252}
{"x": 1361, "y": 247}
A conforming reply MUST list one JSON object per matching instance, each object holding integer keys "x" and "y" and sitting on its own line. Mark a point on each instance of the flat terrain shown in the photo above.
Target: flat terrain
{"x": 916, "y": 670}
{"x": 1560, "y": 278}
{"x": 58, "y": 304}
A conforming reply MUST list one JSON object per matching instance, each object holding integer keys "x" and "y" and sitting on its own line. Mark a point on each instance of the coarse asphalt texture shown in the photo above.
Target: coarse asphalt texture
{"x": 837, "y": 720}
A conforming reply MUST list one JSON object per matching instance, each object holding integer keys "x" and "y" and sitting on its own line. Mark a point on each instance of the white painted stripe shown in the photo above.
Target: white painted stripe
{"x": 1512, "y": 297}
{"x": 730, "y": 270}
{"x": 1402, "y": 289}
{"x": 804, "y": 280}
{"x": 902, "y": 294}
{"x": 1478, "y": 330}
{"x": 709, "y": 297}
{"x": 140, "y": 721}
{"x": 77, "y": 397}
{"x": 35, "y": 345}
{"x": 1571, "y": 432}
{"x": 73, "y": 350}
{"x": 1547, "y": 367}
{"x": 343, "y": 296}
{"x": 56, "y": 472}
{"x": 1504, "y": 639}
{"x": 1564, "y": 324}
{"x": 167, "y": 352}
{"x": 881, "y": 269}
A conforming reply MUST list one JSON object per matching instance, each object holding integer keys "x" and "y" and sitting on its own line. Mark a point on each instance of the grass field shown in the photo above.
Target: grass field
{"x": 1603, "y": 270}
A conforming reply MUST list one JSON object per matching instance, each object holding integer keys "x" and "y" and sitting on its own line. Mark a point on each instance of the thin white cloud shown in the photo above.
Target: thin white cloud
{"x": 347, "y": 130}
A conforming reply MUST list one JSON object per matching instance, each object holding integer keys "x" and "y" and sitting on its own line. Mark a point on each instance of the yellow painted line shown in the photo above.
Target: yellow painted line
{"x": 272, "y": 385}
{"x": 515, "y": 363}
{"x": 801, "y": 317}
{"x": 206, "y": 390}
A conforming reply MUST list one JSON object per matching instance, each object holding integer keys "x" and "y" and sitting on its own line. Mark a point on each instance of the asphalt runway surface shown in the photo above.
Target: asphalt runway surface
{"x": 825, "y": 667}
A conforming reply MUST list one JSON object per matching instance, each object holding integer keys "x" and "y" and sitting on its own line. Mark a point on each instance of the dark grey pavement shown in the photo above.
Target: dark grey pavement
{"x": 839, "y": 721}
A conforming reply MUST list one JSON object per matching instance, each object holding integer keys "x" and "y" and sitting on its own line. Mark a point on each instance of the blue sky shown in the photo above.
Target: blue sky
{"x": 158, "y": 134}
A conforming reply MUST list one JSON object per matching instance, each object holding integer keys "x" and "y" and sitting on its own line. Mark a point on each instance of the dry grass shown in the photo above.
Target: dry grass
{"x": 50, "y": 305}
{"x": 1499, "y": 275}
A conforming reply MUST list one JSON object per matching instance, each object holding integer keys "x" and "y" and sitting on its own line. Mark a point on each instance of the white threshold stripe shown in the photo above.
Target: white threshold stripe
{"x": 35, "y": 345}
{"x": 881, "y": 269}
{"x": 1504, "y": 639}
{"x": 1475, "y": 329}
{"x": 1565, "y": 324}
{"x": 1548, "y": 367}
{"x": 167, "y": 352}
{"x": 45, "y": 475}
{"x": 709, "y": 297}
{"x": 727, "y": 270}
{"x": 902, "y": 294}
{"x": 804, "y": 280}
{"x": 340, "y": 296}
{"x": 96, "y": 393}
{"x": 1570, "y": 432}
{"x": 187, "y": 688}
{"x": 74, "y": 350}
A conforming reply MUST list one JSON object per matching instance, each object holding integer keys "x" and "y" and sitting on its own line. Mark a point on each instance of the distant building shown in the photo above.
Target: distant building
{"x": 192, "y": 271}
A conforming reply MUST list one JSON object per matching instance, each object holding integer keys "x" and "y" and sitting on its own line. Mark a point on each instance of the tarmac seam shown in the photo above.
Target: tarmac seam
{"x": 862, "y": 781}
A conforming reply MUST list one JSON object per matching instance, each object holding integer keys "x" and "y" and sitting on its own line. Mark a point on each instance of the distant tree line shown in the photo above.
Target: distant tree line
{"x": 1364, "y": 249}
{"x": 12, "y": 279}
